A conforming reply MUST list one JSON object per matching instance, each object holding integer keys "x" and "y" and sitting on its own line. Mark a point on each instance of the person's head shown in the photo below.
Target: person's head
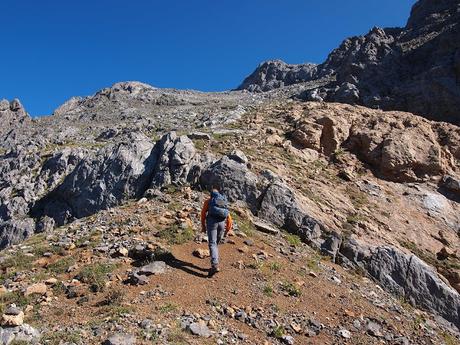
{"x": 215, "y": 188}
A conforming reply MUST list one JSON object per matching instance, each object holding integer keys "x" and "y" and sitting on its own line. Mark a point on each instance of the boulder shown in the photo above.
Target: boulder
{"x": 21, "y": 334}
{"x": 199, "y": 329}
{"x": 46, "y": 224}
{"x": 15, "y": 231}
{"x": 234, "y": 178}
{"x": 120, "y": 339}
{"x": 201, "y": 253}
{"x": 13, "y": 320}
{"x": 451, "y": 184}
{"x": 156, "y": 267}
{"x": 176, "y": 161}
{"x": 38, "y": 288}
{"x": 279, "y": 205}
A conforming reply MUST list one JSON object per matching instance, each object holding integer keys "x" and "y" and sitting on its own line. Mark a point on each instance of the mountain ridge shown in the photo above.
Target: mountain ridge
{"x": 415, "y": 68}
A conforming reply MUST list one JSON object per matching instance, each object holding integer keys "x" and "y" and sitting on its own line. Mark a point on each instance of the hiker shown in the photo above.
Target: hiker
{"x": 216, "y": 220}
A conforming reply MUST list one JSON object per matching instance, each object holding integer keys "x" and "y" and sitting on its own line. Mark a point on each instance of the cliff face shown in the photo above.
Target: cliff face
{"x": 12, "y": 115}
{"x": 415, "y": 68}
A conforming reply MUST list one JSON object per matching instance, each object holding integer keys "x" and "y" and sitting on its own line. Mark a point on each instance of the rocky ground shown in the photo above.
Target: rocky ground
{"x": 347, "y": 218}
{"x": 347, "y": 230}
{"x": 137, "y": 274}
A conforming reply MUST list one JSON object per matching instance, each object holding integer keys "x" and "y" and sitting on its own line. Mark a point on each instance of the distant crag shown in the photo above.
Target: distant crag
{"x": 415, "y": 68}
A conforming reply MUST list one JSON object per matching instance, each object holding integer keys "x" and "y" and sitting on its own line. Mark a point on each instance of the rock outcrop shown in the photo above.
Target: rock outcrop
{"x": 405, "y": 276}
{"x": 415, "y": 68}
{"x": 232, "y": 174}
{"x": 176, "y": 161}
{"x": 12, "y": 114}
{"x": 398, "y": 146}
{"x": 274, "y": 74}
{"x": 111, "y": 175}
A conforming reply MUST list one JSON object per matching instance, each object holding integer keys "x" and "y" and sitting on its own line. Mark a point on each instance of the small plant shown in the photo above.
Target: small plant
{"x": 339, "y": 153}
{"x": 293, "y": 240}
{"x": 275, "y": 266}
{"x": 278, "y": 332}
{"x": 19, "y": 342}
{"x": 354, "y": 218}
{"x": 244, "y": 225}
{"x": 313, "y": 262}
{"x": 268, "y": 291}
{"x": 291, "y": 289}
{"x": 176, "y": 336}
{"x": 256, "y": 265}
{"x": 167, "y": 308}
{"x": 59, "y": 288}
{"x": 116, "y": 311}
{"x": 200, "y": 144}
{"x": 95, "y": 275}
{"x": 115, "y": 297}
{"x": 60, "y": 337}
{"x": 358, "y": 198}
{"x": 61, "y": 265}
{"x": 449, "y": 339}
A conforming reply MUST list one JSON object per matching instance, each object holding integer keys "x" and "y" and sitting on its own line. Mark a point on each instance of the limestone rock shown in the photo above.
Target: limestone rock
{"x": 156, "y": 267}
{"x": 201, "y": 253}
{"x": 120, "y": 339}
{"x": 13, "y": 320}
{"x": 38, "y": 288}
{"x": 234, "y": 177}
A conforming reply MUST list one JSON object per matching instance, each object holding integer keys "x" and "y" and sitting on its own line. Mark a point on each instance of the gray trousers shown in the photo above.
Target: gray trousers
{"x": 215, "y": 230}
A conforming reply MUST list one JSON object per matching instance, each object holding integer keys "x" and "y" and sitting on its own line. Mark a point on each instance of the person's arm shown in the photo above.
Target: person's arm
{"x": 204, "y": 212}
{"x": 229, "y": 224}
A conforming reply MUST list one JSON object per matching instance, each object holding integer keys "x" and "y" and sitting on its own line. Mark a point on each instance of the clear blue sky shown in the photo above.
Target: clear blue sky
{"x": 55, "y": 49}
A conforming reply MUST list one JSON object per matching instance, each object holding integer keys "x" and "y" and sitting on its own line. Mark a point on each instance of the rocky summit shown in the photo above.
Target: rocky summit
{"x": 346, "y": 217}
{"x": 415, "y": 68}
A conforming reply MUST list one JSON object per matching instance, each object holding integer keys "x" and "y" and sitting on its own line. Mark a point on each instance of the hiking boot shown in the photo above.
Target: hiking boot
{"x": 213, "y": 270}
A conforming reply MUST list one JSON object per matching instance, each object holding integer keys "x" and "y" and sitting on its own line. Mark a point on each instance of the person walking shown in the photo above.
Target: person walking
{"x": 216, "y": 221}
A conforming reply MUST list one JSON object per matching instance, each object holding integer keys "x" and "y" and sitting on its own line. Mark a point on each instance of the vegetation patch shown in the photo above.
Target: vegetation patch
{"x": 268, "y": 290}
{"x": 19, "y": 261}
{"x": 244, "y": 224}
{"x": 291, "y": 289}
{"x": 357, "y": 197}
{"x": 279, "y": 332}
{"x": 61, "y": 266}
{"x": 13, "y": 297}
{"x": 275, "y": 266}
{"x": 293, "y": 240}
{"x": 176, "y": 235}
{"x": 167, "y": 308}
{"x": 60, "y": 337}
{"x": 95, "y": 275}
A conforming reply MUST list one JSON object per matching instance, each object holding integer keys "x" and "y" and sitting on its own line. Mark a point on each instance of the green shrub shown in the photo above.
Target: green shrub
{"x": 95, "y": 275}
{"x": 291, "y": 289}
{"x": 176, "y": 235}
{"x": 167, "y": 308}
{"x": 278, "y": 332}
{"x": 293, "y": 240}
{"x": 268, "y": 291}
{"x": 61, "y": 265}
{"x": 275, "y": 266}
